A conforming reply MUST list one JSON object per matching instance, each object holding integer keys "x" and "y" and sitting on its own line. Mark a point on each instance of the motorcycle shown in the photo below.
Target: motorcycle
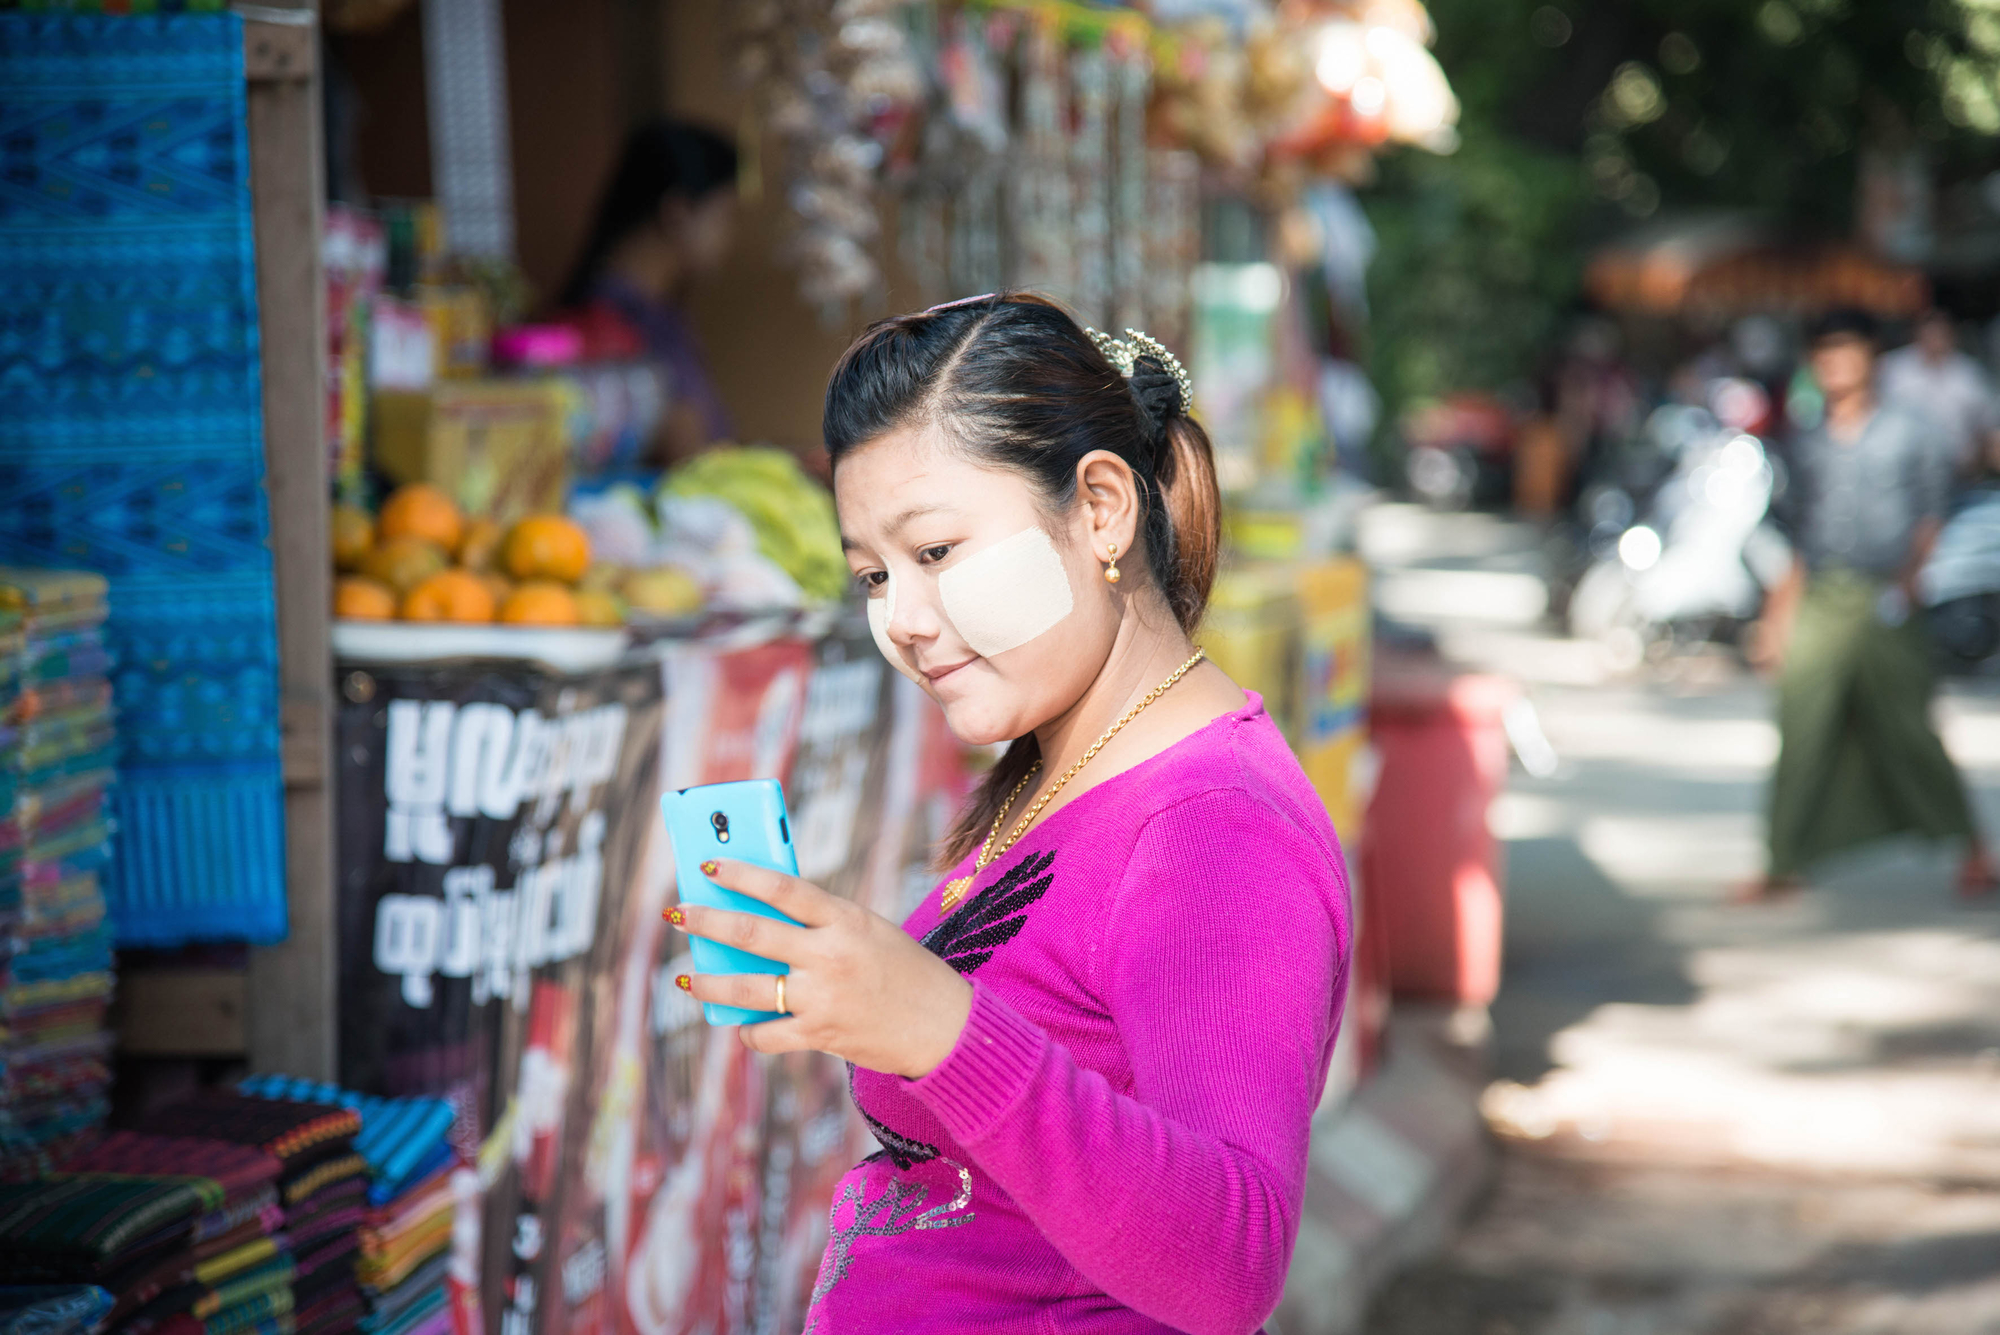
{"x": 1697, "y": 567}
{"x": 1458, "y": 452}
{"x": 1960, "y": 585}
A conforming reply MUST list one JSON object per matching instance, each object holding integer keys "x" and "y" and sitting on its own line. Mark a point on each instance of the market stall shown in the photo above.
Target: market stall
{"x": 494, "y": 630}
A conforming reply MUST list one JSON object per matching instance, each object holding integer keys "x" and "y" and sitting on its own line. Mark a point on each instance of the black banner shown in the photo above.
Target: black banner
{"x": 503, "y": 869}
{"x": 489, "y": 818}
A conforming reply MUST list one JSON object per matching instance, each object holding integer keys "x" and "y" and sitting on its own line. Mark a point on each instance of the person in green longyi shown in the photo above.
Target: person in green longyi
{"x": 1859, "y": 759}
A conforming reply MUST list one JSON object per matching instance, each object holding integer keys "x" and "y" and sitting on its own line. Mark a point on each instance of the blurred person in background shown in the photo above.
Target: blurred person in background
{"x": 1933, "y": 378}
{"x": 666, "y": 217}
{"x": 1597, "y": 401}
{"x": 1859, "y": 759}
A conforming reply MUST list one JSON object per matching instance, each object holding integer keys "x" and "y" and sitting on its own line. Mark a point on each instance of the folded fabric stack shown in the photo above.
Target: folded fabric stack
{"x": 405, "y": 1238}
{"x": 53, "y": 1309}
{"x": 130, "y": 1236}
{"x": 57, "y": 755}
{"x": 233, "y": 1271}
{"x": 322, "y": 1189}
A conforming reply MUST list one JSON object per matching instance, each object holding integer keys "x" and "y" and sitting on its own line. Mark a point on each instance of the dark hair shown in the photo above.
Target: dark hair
{"x": 662, "y": 159}
{"x": 1844, "y": 322}
{"x": 1015, "y": 382}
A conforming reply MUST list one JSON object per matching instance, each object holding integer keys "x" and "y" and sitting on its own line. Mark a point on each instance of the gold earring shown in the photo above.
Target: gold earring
{"x": 1111, "y": 570}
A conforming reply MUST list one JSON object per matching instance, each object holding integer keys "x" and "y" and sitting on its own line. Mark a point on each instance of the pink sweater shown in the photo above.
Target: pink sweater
{"x": 1118, "y": 1140}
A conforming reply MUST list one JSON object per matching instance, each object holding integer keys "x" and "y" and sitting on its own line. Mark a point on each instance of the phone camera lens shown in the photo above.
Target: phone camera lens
{"x": 721, "y": 824}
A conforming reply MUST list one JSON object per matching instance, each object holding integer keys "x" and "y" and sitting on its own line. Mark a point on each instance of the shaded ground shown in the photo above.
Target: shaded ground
{"x": 1718, "y": 1121}
{"x": 1569, "y": 1248}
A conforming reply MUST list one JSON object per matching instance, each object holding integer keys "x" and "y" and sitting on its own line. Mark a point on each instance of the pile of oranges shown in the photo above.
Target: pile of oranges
{"x": 421, "y": 559}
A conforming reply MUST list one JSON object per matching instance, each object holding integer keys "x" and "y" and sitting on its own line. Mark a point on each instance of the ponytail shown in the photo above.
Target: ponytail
{"x": 1191, "y": 505}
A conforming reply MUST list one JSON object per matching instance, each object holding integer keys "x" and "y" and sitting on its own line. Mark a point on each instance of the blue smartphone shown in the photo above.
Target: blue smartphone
{"x": 745, "y": 821}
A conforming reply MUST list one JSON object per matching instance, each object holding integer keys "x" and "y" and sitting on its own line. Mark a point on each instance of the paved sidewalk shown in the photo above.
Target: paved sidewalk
{"x": 1716, "y": 1120}
{"x": 1392, "y": 1173}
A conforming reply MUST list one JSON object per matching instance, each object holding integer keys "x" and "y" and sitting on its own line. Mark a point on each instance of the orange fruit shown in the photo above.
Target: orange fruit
{"x": 479, "y": 547}
{"x": 404, "y": 563}
{"x": 357, "y": 598}
{"x": 353, "y": 534}
{"x": 596, "y": 607}
{"x": 547, "y": 547}
{"x": 449, "y": 595}
{"x": 540, "y": 603}
{"x": 498, "y": 585}
{"x": 420, "y": 510}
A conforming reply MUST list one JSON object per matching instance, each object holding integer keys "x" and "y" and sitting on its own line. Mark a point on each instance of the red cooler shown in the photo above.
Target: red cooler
{"x": 1431, "y": 866}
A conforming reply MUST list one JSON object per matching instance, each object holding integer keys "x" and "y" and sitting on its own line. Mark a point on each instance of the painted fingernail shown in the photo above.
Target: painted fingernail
{"x": 675, "y": 916}
{"x": 683, "y": 982}
{"x": 710, "y": 867}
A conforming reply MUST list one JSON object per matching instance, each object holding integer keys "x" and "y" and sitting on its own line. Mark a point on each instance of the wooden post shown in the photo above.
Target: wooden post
{"x": 290, "y": 1012}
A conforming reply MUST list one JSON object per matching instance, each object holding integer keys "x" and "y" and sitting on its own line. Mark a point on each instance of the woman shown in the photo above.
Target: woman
{"x": 665, "y": 218}
{"x": 1093, "y": 1053}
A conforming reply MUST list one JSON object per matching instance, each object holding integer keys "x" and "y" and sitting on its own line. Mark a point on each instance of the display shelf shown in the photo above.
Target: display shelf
{"x": 560, "y": 648}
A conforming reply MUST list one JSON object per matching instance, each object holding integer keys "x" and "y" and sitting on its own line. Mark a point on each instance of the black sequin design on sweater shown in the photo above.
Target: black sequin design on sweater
{"x": 965, "y": 940}
{"x": 990, "y": 919}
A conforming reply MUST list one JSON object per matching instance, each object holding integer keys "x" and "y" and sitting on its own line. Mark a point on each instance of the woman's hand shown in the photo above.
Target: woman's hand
{"x": 859, "y": 988}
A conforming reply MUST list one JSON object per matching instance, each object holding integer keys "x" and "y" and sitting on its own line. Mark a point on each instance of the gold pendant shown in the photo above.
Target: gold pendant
{"x": 953, "y": 892}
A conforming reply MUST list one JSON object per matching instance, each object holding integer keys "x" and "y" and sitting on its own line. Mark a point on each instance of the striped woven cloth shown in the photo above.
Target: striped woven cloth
{"x": 260, "y": 1205}
{"x": 316, "y": 1215}
{"x": 410, "y": 1210}
{"x": 89, "y": 1220}
{"x": 385, "y": 1267}
{"x": 217, "y": 1269}
{"x": 279, "y": 1323}
{"x": 240, "y": 1318}
{"x": 337, "y": 1309}
{"x": 326, "y": 1264}
{"x": 322, "y": 1176}
{"x": 325, "y": 1226}
{"x": 242, "y": 1171}
{"x": 416, "y": 1316}
{"x": 398, "y": 1137}
{"x": 282, "y": 1128}
{"x": 417, "y": 1288}
{"x": 264, "y": 1281}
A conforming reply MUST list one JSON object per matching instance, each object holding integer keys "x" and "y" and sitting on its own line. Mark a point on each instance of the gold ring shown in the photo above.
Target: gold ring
{"x": 780, "y": 1008}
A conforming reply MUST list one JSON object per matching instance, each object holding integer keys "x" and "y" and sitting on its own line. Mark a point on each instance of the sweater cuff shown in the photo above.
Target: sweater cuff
{"x": 987, "y": 1071}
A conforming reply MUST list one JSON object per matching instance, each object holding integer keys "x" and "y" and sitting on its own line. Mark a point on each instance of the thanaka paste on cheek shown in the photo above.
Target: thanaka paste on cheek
{"x": 879, "y": 612}
{"x": 1007, "y": 594}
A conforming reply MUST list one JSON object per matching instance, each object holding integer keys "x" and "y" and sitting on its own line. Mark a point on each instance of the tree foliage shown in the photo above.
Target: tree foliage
{"x": 1580, "y": 117}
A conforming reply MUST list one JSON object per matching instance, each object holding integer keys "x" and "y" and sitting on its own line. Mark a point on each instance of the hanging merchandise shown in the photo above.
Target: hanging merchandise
{"x": 355, "y": 253}
{"x": 1060, "y": 147}
{"x": 1041, "y": 182}
{"x": 975, "y": 137}
{"x": 1090, "y": 184}
{"x": 465, "y": 78}
{"x": 1172, "y": 242}
{"x": 1374, "y": 81}
{"x": 1131, "y": 87}
{"x": 1202, "y": 105}
{"x": 835, "y": 83}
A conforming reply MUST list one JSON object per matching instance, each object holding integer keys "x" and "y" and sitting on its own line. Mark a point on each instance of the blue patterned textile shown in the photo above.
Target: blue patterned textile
{"x": 131, "y": 436}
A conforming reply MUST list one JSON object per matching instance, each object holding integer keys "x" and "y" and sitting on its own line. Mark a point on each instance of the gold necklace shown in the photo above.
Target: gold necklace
{"x": 954, "y": 890}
